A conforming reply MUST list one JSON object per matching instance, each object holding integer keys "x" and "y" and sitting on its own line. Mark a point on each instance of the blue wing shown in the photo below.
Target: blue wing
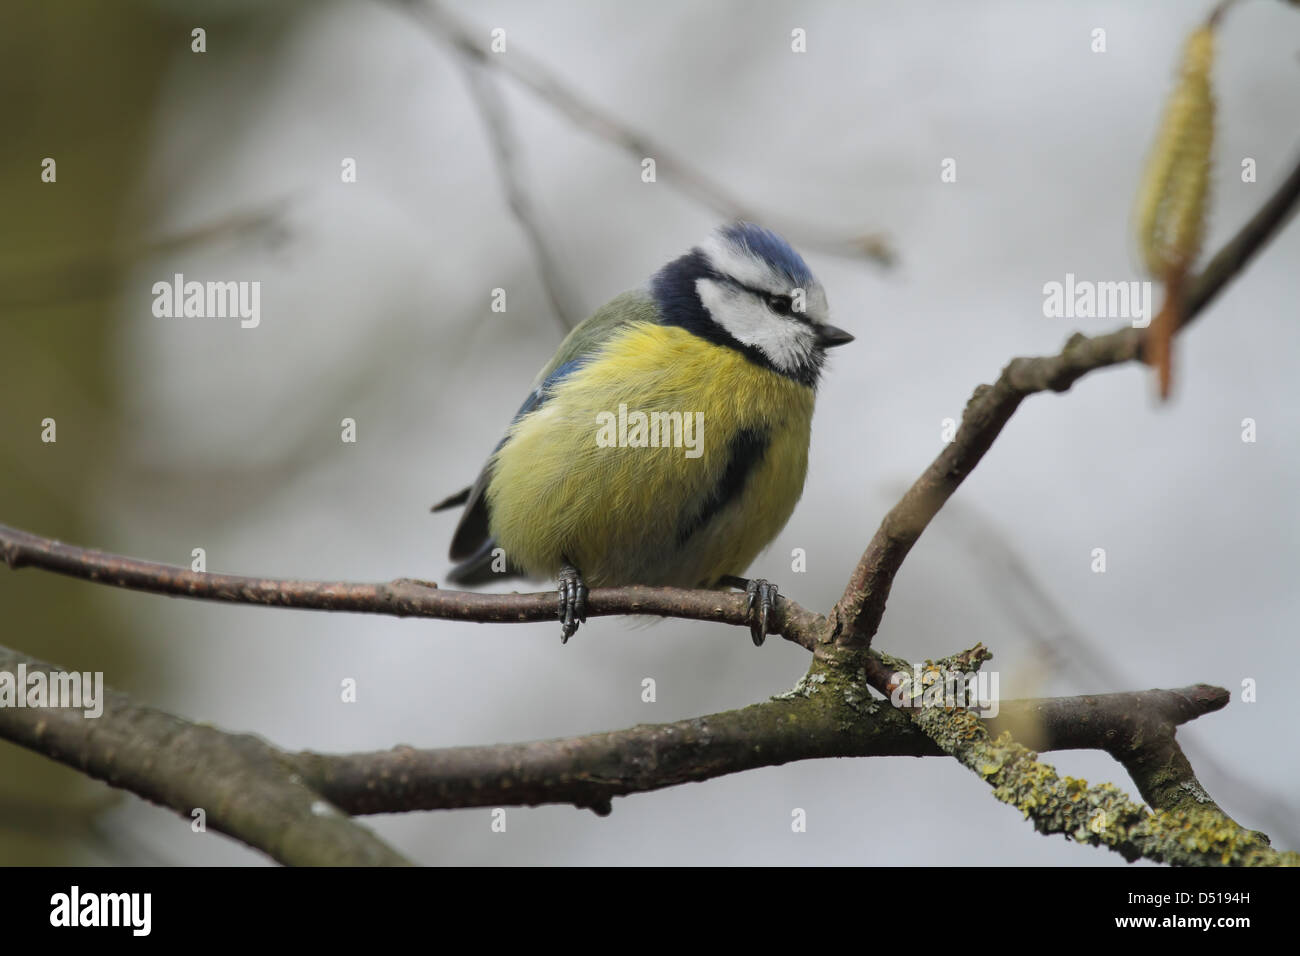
{"x": 472, "y": 544}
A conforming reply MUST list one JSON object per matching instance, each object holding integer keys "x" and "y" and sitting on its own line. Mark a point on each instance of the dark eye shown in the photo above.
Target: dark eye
{"x": 780, "y": 304}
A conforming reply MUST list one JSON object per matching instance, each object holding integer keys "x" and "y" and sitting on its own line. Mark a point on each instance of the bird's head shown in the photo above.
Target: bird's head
{"x": 746, "y": 288}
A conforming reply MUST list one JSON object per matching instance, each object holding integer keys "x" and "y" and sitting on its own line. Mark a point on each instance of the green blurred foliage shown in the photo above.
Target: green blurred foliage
{"x": 78, "y": 82}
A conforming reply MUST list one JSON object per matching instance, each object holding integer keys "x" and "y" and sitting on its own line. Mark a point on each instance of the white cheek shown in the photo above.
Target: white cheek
{"x": 788, "y": 343}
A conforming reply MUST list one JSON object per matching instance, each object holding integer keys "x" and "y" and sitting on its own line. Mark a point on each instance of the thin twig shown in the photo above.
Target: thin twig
{"x": 400, "y": 598}
{"x": 857, "y": 616}
{"x": 546, "y": 85}
{"x": 505, "y": 153}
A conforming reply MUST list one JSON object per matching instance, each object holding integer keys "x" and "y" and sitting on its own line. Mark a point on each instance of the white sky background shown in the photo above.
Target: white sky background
{"x": 376, "y": 307}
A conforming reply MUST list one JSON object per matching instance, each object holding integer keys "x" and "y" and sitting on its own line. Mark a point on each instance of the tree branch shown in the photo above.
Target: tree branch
{"x": 239, "y": 782}
{"x": 401, "y": 598}
{"x": 537, "y": 77}
{"x": 588, "y": 771}
{"x": 257, "y": 797}
{"x": 276, "y": 801}
{"x": 856, "y": 617}
{"x": 1137, "y": 729}
{"x": 1187, "y": 828}
{"x": 505, "y": 153}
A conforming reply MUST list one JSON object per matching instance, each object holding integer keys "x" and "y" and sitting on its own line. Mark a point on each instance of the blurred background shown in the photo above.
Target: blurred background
{"x": 176, "y": 434}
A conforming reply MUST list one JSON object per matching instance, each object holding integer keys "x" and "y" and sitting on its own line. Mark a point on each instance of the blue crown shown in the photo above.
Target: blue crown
{"x": 769, "y": 247}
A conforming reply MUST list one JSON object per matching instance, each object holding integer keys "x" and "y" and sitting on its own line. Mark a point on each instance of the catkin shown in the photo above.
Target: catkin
{"x": 1175, "y": 186}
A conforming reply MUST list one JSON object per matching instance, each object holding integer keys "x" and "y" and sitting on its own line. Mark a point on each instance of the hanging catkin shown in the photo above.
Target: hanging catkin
{"x": 1174, "y": 194}
{"x": 1175, "y": 187}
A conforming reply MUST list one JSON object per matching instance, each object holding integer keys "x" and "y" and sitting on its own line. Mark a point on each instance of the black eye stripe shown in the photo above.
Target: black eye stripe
{"x": 781, "y": 304}
{"x": 768, "y": 299}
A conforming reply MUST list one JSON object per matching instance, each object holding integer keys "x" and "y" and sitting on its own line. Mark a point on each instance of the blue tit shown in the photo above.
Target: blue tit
{"x": 666, "y": 442}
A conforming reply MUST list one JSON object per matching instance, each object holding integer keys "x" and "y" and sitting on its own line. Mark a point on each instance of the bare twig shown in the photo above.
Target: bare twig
{"x": 857, "y": 616}
{"x": 400, "y": 598}
{"x": 505, "y": 152}
{"x": 538, "y": 78}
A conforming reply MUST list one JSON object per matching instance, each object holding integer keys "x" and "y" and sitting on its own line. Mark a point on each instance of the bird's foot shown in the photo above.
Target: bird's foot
{"x": 573, "y": 601}
{"x": 762, "y": 598}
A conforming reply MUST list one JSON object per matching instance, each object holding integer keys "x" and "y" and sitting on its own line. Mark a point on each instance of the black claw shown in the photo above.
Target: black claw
{"x": 580, "y": 604}
{"x": 573, "y": 602}
{"x": 763, "y": 594}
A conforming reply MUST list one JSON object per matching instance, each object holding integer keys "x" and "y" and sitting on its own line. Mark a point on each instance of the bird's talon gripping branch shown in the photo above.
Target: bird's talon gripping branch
{"x": 762, "y": 597}
{"x": 573, "y": 602}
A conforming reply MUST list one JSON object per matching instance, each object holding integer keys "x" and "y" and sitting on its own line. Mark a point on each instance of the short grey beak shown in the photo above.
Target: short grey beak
{"x": 828, "y": 336}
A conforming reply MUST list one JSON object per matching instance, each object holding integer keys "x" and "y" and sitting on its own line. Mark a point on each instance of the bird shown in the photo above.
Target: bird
{"x": 666, "y": 441}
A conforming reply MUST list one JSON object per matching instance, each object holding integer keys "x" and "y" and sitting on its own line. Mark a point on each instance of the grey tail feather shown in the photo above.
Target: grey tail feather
{"x": 477, "y": 568}
{"x": 452, "y": 501}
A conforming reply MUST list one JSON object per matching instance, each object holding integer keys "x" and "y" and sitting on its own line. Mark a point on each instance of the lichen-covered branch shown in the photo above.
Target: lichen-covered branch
{"x": 818, "y": 719}
{"x": 1186, "y": 828}
{"x": 1139, "y": 731}
{"x": 293, "y": 805}
{"x": 1101, "y": 815}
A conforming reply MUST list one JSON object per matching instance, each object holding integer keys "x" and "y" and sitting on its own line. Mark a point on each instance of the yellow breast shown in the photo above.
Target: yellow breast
{"x": 664, "y": 459}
